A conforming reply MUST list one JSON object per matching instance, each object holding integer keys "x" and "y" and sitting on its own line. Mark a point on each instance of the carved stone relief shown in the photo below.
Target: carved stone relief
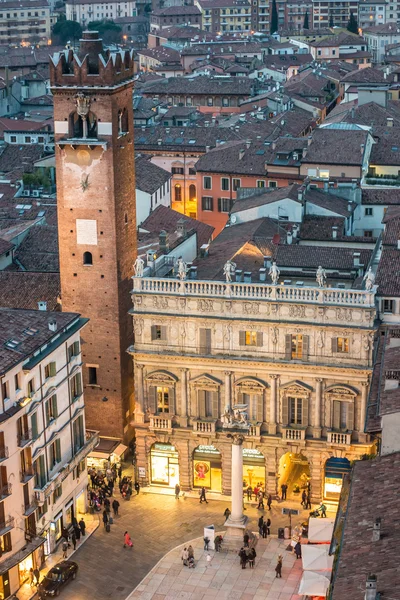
{"x": 344, "y": 314}
{"x": 297, "y": 310}
{"x": 251, "y": 308}
{"x": 204, "y": 305}
{"x": 160, "y": 302}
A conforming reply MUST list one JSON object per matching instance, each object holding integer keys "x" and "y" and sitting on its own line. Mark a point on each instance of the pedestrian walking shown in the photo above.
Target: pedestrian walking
{"x": 137, "y": 488}
{"x": 255, "y": 492}
{"x": 249, "y": 492}
{"x": 115, "y": 507}
{"x": 308, "y": 502}
{"x": 31, "y": 577}
{"x": 77, "y": 532}
{"x": 73, "y": 539}
{"x": 264, "y": 530}
{"x": 120, "y": 471}
{"x": 297, "y": 550}
{"x": 185, "y": 557}
{"x": 284, "y": 491}
{"x": 208, "y": 559}
{"x": 64, "y": 548}
{"x": 203, "y": 496}
{"x": 269, "y": 501}
{"x": 127, "y": 540}
{"x": 323, "y": 510}
{"x": 260, "y": 499}
{"x": 177, "y": 491}
{"x": 278, "y": 568}
{"x": 227, "y": 512}
{"x": 206, "y": 543}
{"x": 304, "y": 498}
{"x": 65, "y": 535}
{"x": 217, "y": 543}
{"x": 107, "y": 504}
{"x": 82, "y": 527}
{"x": 251, "y": 558}
{"x": 260, "y": 525}
{"x": 269, "y": 526}
{"x": 246, "y": 539}
{"x": 243, "y": 557}
{"x": 105, "y": 518}
{"x": 36, "y": 573}
{"x": 191, "y": 556}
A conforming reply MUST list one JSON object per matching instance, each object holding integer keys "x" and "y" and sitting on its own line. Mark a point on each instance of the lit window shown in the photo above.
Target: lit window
{"x": 343, "y": 345}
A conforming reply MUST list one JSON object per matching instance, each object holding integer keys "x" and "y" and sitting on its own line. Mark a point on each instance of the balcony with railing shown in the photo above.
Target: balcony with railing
{"x": 161, "y": 422}
{"x": 29, "y": 507}
{"x": 3, "y": 453}
{"x": 255, "y": 430}
{"x": 26, "y": 474}
{"x": 5, "y": 490}
{"x": 24, "y": 438}
{"x": 204, "y": 426}
{"x": 294, "y": 433}
{"x": 6, "y": 525}
{"x": 338, "y": 438}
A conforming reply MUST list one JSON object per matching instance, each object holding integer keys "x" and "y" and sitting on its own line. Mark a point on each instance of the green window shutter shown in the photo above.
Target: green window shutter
{"x": 288, "y": 346}
{"x": 260, "y": 404}
{"x": 304, "y": 411}
{"x": 78, "y": 384}
{"x": 201, "y": 401}
{"x": 58, "y": 450}
{"x": 153, "y": 332}
{"x": 285, "y": 411}
{"x": 70, "y": 352}
{"x": 219, "y": 204}
{"x": 259, "y": 338}
{"x": 171, "y": 400}
{"x": 306, "y": 347}
{"x": 334, "y": 345}
{"x": 336, "y": 415}
{"x": 152, "y": 399}
{"x": 350, "y": 417}
{"x": 215, "y": 407}
{"x": 47, "y": 410}
{"x": 242, "y": 338}
{"x": 34, "y": 426}
{"x": 54, "y": 405}
{"x": 53, "y": 369}
{"x": 76, "y": 348}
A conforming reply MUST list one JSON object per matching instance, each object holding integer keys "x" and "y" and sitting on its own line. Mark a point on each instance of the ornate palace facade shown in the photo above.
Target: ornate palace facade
{"x": 299, "y": 358}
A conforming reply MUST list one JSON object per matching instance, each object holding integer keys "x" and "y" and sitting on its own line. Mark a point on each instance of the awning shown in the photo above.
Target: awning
{"x": 316, "y": 558}
{"x": 313, "y": 584}
{"x": 120, "y": 449}
{"x": 16, "y": 558}
{"x": 320, "y": 530}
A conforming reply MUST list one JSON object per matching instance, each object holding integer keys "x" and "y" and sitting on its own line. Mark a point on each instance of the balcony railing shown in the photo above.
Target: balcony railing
{"x": 204, "y": 426}
{"x": 6, "y": 525}
{"x": 28, "y": 509}
{"x": 26, "y": 474}
{"x": 159, "y": 422}
{"x": 293, "y": 433}
{"x": 3, "y": 453}
{"x": 261, "y": 291}
{"x": 342, "y": 439}
{"x": 5, "y": 490}
{"x": 24, "y": 438}
{"x": 255, "y": 430}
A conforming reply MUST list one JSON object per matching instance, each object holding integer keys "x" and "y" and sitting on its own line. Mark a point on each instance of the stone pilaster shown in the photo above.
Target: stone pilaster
{"x": 317, "y": 465}
{"x": 316, "y": 430}
{"x": 139, "y": 407}
{"x": 273, "y": 405}
{"x": 183, "y": 418}
{"x": 228, "y": 389}
{"x": 362, "y": 437}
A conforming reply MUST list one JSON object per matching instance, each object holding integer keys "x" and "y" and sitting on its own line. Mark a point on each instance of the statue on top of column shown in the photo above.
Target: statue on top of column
{"x": 235, "y": 417}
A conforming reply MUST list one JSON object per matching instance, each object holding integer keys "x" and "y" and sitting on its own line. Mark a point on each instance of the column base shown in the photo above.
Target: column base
{"x": 236, "y": 528}
{"x": 139, "y": 418}
{"x": 272, "y": 428}
{"x": 316, "y": 432}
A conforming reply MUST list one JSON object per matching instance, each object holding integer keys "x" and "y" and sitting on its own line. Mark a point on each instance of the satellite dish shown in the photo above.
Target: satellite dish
{"x": 233, "y": 219}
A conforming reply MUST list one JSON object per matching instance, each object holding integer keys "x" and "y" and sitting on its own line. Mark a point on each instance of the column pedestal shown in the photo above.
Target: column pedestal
{"x": 237, "y": 521}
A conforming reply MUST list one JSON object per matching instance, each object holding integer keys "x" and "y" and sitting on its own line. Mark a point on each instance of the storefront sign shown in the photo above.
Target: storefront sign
{"x": 252, "y": 452}
{"x": 142, "y": 472}
{"x": 207, "y": 450}
{"x": 164, "y": 447}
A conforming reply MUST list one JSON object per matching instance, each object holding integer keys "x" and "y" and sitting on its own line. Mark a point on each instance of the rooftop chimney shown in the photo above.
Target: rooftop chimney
{"x": 163, "y": 242}
{"x": 248, "y": 143}
{"x": 353, "y": 112}
{"x": 334, "y": 232}
{"x": 289, "y": 237}
{"x": 238, "y": 275}
{"x": 204, "y": 250}
{"x": 263, "y": 274}
{"x": 52, "y": 324}
{"x": 370, "y": 588}
{"x": 295, "y": 231}
{"x": 241, "y": 153}
{"x": 376, "y": 531}
{"x": 356, "y": 259}
{"x": 389, "y": 122}
{"x": 350, "y": 206}
{"x": 247, "y": 276}
{"x": 91, "y": 46}
{"x": 42, "y": 305}
{"x": 362, "y": 148}
{"x": 398, "y": 248}
{"x": 181, "y": 228}
{"x": 267, "y": 262}
{"x": 193, "y": 273}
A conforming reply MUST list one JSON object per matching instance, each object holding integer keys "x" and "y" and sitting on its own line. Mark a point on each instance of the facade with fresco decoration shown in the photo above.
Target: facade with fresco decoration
{"x": 299, "y": 358}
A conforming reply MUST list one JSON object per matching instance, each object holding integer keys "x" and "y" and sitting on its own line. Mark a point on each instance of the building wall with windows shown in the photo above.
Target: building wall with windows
{"x": 300, "y": 359}
{"x": 24, "y": 24}
{"x": 86, "y": 11}
{"x": 327, "y": 11}
{"x": 43, "y": 447}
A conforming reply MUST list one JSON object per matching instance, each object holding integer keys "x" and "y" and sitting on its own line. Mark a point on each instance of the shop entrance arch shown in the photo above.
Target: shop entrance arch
{"x": 335, "y": 471}
{"x": 253, "y": 469}
{"x": 164, "y": 465}
{"x": 207, "y": 468}
{"x": 294, "y": 471}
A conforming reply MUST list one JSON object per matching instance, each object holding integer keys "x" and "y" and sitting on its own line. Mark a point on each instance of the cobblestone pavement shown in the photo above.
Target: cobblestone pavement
{"x": 223, "y": 577}
{"x": 157, "y": 524}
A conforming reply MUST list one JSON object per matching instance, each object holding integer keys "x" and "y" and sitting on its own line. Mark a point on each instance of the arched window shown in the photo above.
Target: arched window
{"x": 178, "y": 193}
{"x": 87, "y": 258}
{"x": 192, "y": 192}
{"x": 79, "y": 128}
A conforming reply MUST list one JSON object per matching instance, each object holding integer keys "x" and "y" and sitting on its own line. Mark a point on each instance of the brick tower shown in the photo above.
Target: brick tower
{"x": 93, "y": 125}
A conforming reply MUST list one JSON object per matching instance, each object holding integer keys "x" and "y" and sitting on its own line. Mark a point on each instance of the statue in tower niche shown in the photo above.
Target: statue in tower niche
{"x": 82, "y": 108}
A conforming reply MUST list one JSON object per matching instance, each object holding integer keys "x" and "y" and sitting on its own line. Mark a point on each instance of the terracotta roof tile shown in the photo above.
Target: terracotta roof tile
{"x": 22, "y": 289}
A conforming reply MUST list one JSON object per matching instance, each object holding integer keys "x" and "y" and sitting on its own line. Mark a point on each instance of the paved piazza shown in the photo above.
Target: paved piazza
{"x": 158, "y": 524}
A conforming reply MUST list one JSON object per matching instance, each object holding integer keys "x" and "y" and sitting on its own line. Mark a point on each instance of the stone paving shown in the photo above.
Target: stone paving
{"x": 223, "y": 578}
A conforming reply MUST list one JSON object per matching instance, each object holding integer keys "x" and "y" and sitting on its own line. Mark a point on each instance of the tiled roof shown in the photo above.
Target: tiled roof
{"x": 14, "y": 325}
{"x": 391, "y": 219}
{"x": 5, "y": 246}
{"x": 149, "y": 177}
{"x": 39, "y": 250}
{"x": 202, "y": 84}
{"x": 386, "y": 150}
{"x": 314, "y": 227}
{"x": 330, "y": 202}
{"x": 45, "y": 100}
{"x": 367, "y": 75}
{"x": 24, "y": 125}
{"x": 167, "y": 219}
{"x": 177, "y": 138}
{"x": 388, "y": 273}
{"x": 332, "y": 258}
{"x": 342, "y": 39}
{"x": 390, "y": 27}
{"x": 336, "y": 147}
{"x": 210, "y": 4}
{"x": 162, "y": 54}
{"x": 19, "y": 159}
{"x": 269, "y": 197}
{"x": 285, "y": 61}
{"x": 22, "y": 289}
{"x": 373, "y": 494}
{"x": 172, "y": 11}
{"x": 380, "y": 196}
{"x": 369, "y": 114}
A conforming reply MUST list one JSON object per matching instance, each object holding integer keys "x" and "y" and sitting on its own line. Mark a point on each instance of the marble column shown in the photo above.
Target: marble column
{"x": 362, "y": 436}
{"x": 237, "y": 521}
{"x": 228, "y": 384}
{"x": 183, "y": 419}
{"x": 139, "y": 397}
{"x": 317, "y": 412}
{"x": 272, "y": 405}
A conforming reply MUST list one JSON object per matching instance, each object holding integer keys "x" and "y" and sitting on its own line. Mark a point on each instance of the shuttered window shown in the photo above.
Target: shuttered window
{"x": 343, "y": 416}
{"x": 50, "y": 370}
{"x": 225, "y": 204}
{"x": 295, "y": 411}
{"x": 250, "y": 338}
{"x": 296, "y": 347}
{"x": 51, "y": 409}
{"x": 158, "y": 332}
{"x": 205, "y": 341}
{"x": 73, "y": 350}
{"x": 254, "y": 405}
{"x": 207, "y": 404}
{"x": 207, "y": 203}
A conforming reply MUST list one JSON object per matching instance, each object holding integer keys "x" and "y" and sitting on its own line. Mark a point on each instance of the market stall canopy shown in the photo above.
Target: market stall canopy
{"x": 316, "y": 558}
{"x": 313, "y": 584}
{"x": 320, "y": 530}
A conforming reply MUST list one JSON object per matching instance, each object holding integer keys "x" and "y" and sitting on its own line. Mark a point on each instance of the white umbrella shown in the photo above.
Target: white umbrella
{"x": 313, "y": 584}
{"x": 320, "y": 530}
{"x": 316, "y": 557}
